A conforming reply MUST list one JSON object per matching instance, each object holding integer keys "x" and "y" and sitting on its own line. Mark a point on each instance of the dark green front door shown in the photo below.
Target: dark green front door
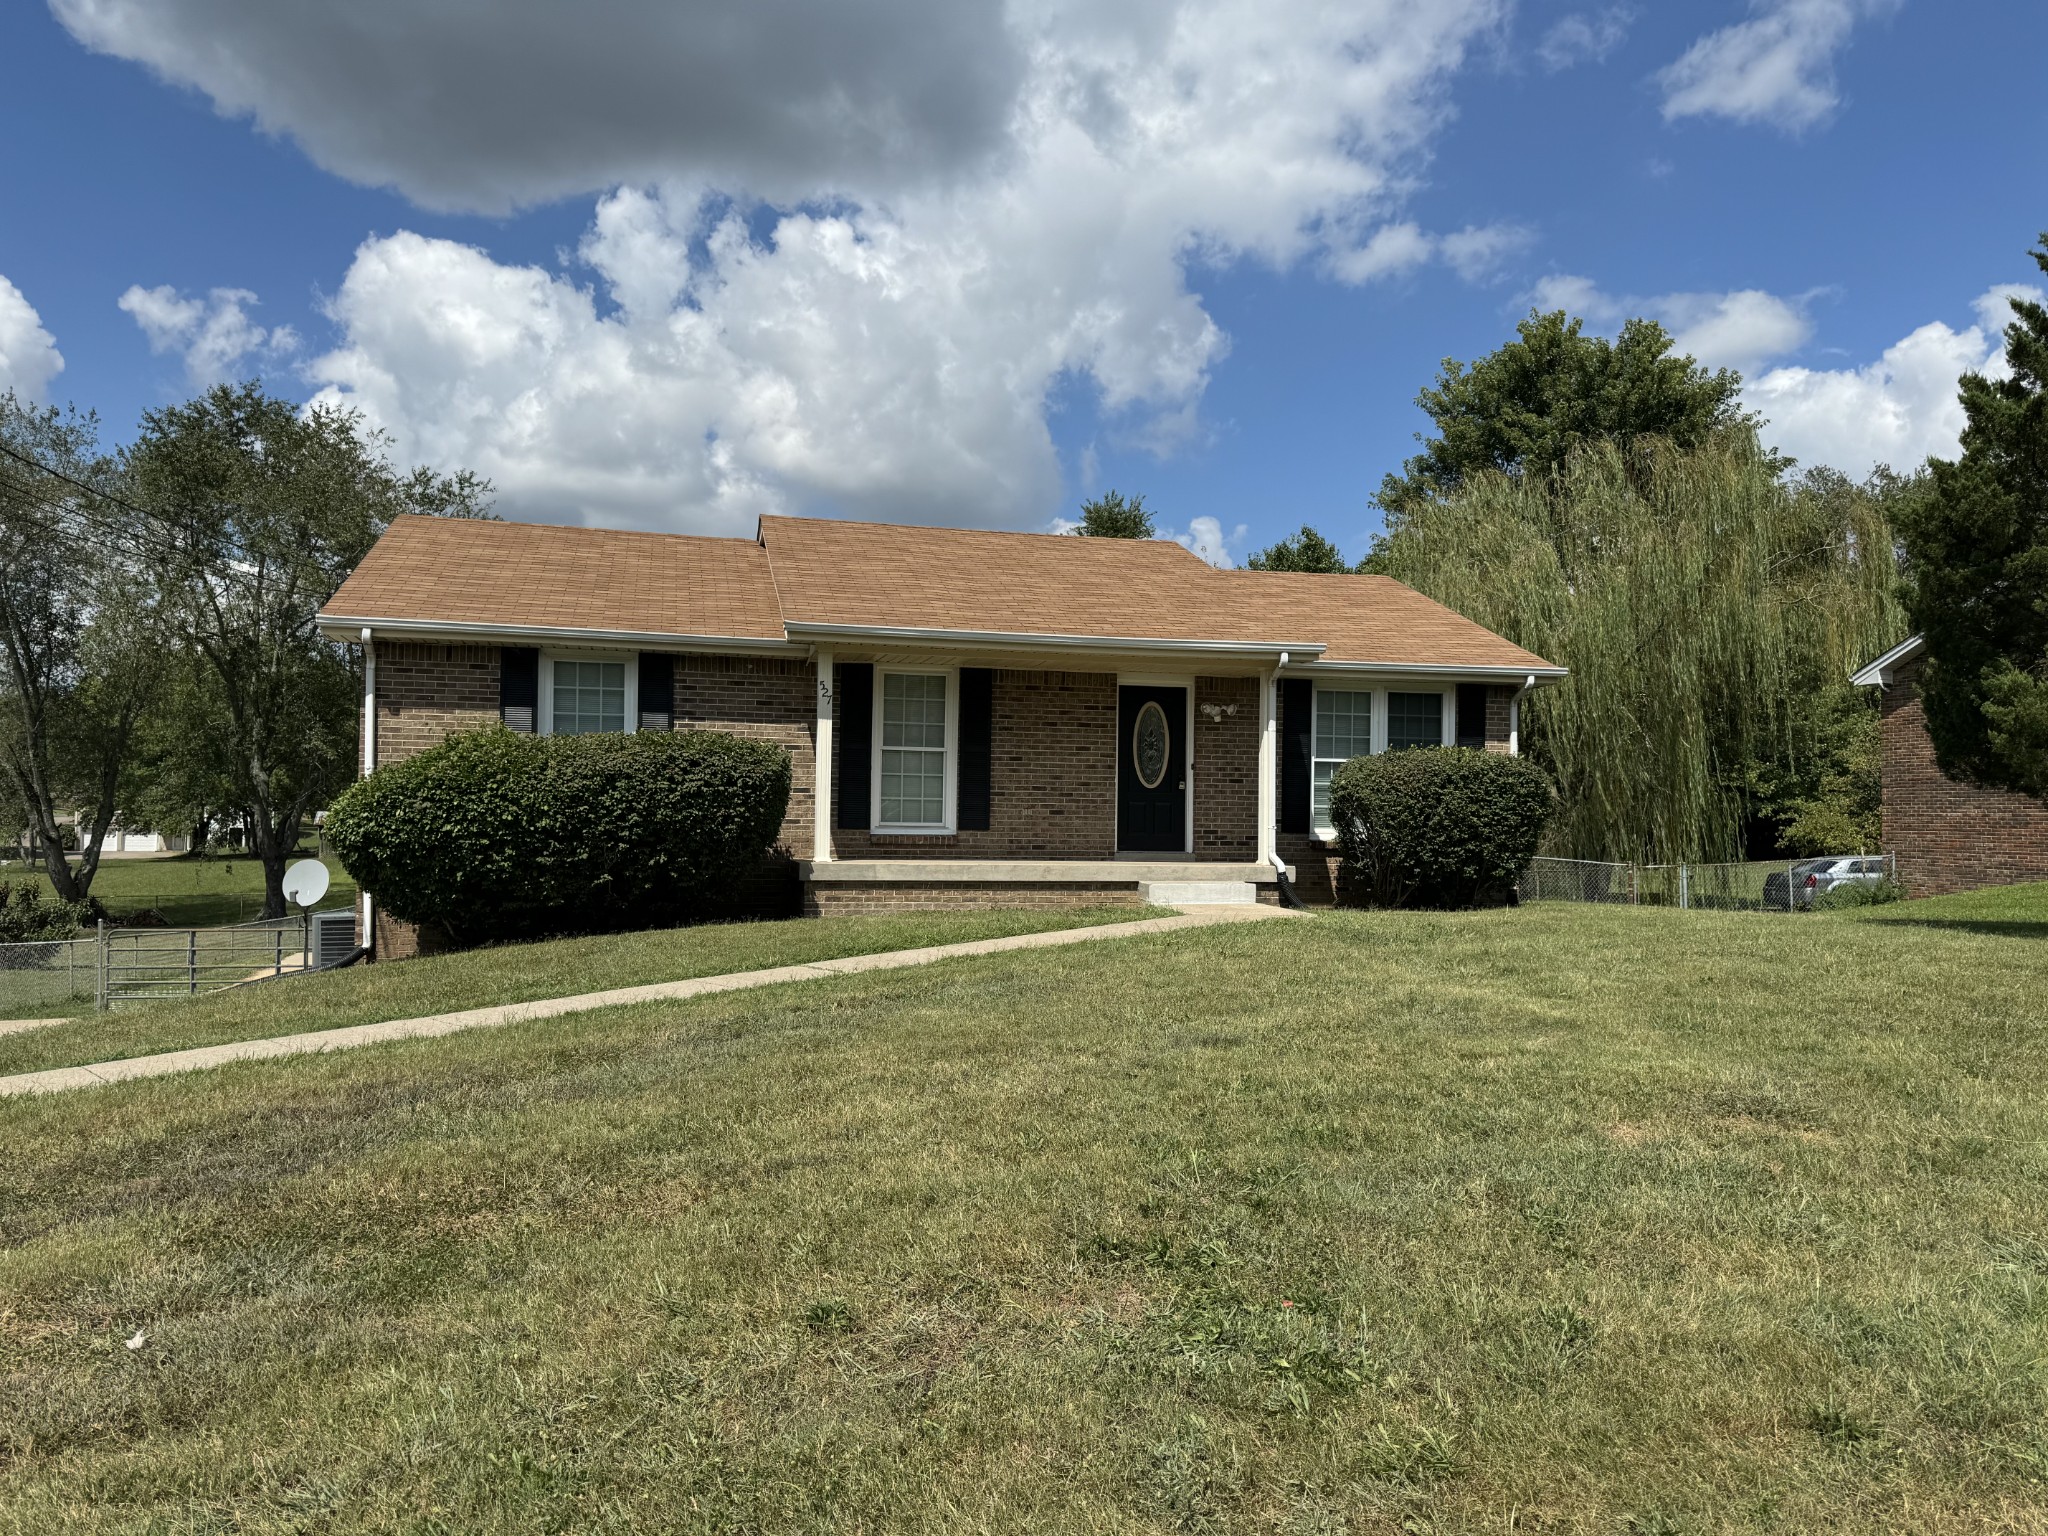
{"x": 1152, "y": 770}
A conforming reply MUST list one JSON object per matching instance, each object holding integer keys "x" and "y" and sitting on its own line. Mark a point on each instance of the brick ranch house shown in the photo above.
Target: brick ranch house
{"x": 1946, "y": 835}
{"x": 1001, "y": 718}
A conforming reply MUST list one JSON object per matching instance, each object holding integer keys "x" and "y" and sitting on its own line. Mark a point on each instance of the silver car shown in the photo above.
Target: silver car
{"x": 1807, "y": 882}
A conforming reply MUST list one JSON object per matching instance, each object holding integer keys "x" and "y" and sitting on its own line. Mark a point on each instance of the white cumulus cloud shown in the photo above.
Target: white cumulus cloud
{"x": 1897, "y": 410}
{"x": 214, "y": 335}
{"x": 1778, "y": 67}
{"x": 29, "y": 358}
{"x": 1740, "y": 329}
{"x": 889, "y": 347}
{"x": 1583, "y": 37}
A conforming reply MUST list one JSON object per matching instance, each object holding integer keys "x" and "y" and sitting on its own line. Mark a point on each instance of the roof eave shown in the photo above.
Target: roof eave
{"x": 1536, "y": 674}
{"x": 867, "y": 634}
{"x": 1878, "y": 673}
{"x": 343, "y": 627}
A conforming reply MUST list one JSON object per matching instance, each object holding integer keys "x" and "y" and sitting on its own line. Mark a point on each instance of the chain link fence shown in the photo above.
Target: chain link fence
{"x": 58, "y": 978}
{"x": 48, "y": 979}
{"x": 1777, "y": 885}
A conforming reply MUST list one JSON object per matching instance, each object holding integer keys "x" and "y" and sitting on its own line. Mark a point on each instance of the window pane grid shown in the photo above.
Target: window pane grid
{"x": 1414, "y": 720}
{"x": 589, "y": 696}
{"x": 1343, "y": 731}
{"x": 913, "y": 750}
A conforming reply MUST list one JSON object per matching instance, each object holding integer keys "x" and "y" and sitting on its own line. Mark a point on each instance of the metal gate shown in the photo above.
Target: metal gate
{"x": 149, "y": 964}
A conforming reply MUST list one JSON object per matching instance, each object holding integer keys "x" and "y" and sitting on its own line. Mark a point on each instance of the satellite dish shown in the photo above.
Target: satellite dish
{"x": 306, "y": 881}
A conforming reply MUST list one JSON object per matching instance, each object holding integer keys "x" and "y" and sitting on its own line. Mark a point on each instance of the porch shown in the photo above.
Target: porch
{"x": 841, "y": 886}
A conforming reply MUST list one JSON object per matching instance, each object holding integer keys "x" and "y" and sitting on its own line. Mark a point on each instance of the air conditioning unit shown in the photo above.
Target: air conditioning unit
{"x": 334, "y": 937}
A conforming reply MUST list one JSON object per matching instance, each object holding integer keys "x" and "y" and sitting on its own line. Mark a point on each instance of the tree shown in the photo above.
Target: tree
{"x": 1525, "y": 408}
{"x": 1977, "y": 554}
{"x": 78, "y": 637}
{"x": 260, "y": 510}
{"x": 1700, "y": 602}
{"x": 1109, "y": 516}
{"x": 1305, "y": 551}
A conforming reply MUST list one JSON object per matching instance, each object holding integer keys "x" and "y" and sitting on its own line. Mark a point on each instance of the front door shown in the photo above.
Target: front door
{"x": 1152, "y": 770}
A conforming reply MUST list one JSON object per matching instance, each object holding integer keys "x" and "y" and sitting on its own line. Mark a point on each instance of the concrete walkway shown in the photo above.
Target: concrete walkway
{"x": 63, "y": 1079}
{"x": 23, "y": 1026}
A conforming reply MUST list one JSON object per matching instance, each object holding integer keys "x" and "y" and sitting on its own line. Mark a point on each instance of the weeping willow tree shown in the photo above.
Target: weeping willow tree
{"x": 1699, "y": 600}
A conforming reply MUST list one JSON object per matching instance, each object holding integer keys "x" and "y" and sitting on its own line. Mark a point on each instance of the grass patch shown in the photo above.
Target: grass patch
{"x": 510, "y": 973}
{"x": 2009, "y": 911}
{"x": 189, "y": 892}
{"x": 1562, "y": 1219}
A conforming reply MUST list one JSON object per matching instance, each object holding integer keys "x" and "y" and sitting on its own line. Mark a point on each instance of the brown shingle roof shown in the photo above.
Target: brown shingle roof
{"x": 890, "y": 576}
{"x": 536, "y": 575}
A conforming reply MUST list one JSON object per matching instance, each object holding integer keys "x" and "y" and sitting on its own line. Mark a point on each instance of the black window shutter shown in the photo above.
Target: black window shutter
{"x": 977, "y": 745}
{"x": 854, "y": 681}
{"x": 519, "y": 687}
{"x": 657, "y": 691}
{"x": 1297, "y": 727}
{"x": 1471, "y": 714}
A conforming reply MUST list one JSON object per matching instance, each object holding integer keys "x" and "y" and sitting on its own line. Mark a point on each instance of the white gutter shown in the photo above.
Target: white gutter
{"x": 1515, "y": 716}
{"x": 998, "y": 639}
{"x": 1879, "y": 672}
{"x": 367, "y": 940}
{"x": 1532, "y": 675}
{"x": 336, "y": 627}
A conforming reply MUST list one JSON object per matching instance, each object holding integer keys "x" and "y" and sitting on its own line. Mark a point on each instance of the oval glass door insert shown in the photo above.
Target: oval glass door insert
{"x": 1150, "y": 745}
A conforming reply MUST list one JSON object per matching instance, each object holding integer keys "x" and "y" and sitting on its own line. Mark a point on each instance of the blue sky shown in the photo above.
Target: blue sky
{"x": 1119, "y": 255}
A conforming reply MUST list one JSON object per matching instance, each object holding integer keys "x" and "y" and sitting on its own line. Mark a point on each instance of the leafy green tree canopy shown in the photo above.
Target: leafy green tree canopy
{"x": 1110, "y": 516}
{"x": 260, "y": 509}
{"x": 1304, "y": 551}
{"x": 1977, "y": 549}
{"x": 1524, "y": 408}
{"x": 1700, "y": 602}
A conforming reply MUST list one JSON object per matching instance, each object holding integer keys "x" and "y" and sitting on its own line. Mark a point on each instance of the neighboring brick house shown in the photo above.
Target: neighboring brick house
{"x": 1944, "y": 834}
{"x": 1003, "y": 718}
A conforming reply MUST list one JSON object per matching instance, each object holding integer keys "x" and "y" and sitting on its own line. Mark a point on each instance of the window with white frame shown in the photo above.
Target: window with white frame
{"x": 913, "y": 781}
{"x": 1414, "y": 720}
{"x": 1343, "y": 730}
{"x": 586, "y": 696}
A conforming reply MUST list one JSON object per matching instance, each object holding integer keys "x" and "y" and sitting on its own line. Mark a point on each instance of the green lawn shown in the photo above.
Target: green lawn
{"x": 2017, "y": 911}
{"x": 189, "y": 892}
{"x": 1562, "y": 1219}
{"x": 513, "y": 973}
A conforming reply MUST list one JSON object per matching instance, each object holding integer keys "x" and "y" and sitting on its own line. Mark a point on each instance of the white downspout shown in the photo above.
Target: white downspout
{"x": 1515, "y": 716}
{"x": 1269, "y": 765}
{"x": 821, "y": 791}
{"x": 369, "y": 755}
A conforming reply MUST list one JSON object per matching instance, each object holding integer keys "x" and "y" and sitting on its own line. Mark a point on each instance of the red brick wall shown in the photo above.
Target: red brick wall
{"x": 1227, "y": 768}
{"x": 425, "y": 693}
{"x": 1949, "y": 836}
{"x": 1052, "y": 777}
{"x": 762, "y": 698}
{"x": 1498, "y": 708}
{"x": 855, "y": 898}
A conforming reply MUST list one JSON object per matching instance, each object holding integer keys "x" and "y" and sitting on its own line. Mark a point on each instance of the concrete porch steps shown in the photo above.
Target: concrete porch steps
{"x": 1197, "y": 893}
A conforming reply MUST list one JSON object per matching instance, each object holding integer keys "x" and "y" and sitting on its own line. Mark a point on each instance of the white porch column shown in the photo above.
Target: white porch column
{"x": 821, "y": 792}
{"x": 369, "y": 751}
{"x": 1269, "y": 768}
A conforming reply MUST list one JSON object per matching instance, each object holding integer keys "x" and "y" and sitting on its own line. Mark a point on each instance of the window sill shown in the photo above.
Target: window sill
{"x": 910, "y": 834}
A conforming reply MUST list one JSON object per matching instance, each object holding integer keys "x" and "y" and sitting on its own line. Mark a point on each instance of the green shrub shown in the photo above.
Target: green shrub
{"x": 493, "y": 835}
{"x": 1882, "y": 893}
{"x": 31, "y": 915}
{"x": 1438, "y": 826}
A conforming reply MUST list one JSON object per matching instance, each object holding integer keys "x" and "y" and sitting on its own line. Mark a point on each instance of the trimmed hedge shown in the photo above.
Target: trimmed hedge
{"x": 495, "y": 835}
{"x": 1438, "y": 826}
